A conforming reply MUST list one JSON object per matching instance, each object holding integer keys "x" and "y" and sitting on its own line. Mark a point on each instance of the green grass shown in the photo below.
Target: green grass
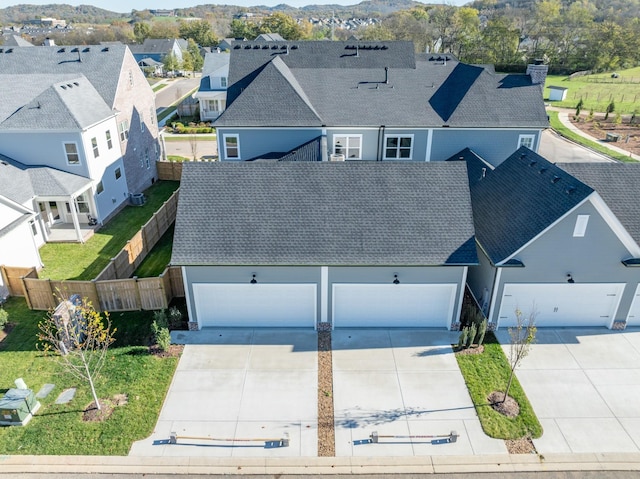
{"x": 185, "y": 137}
{"x": 158, "y": 258}
{"x": 594, "y": 145}
{"x": 488, "y": 372}
{"x": 166, "y": 112}
{"x": 159, "y": 87}
{"x": 85, "y": 261}
{"x": 177, "y": 158}
{"x": 598, "y": 90}
{"x": 59, "y": 429}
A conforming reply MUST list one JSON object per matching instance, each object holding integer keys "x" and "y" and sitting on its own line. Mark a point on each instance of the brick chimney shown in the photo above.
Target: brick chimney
{"x": 538, "y": 72}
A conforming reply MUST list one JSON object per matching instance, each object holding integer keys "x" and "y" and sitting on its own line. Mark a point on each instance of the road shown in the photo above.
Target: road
{"x": 556, "y": 149}
{"x": 175, "y": 90}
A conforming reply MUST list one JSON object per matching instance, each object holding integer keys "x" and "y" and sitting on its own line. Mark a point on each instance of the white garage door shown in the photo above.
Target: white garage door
{"x": 561, "y": 304}
{"x": 249, "y": 305}
{"x": 393, "y": 305}
{"x": 633, "y": 319}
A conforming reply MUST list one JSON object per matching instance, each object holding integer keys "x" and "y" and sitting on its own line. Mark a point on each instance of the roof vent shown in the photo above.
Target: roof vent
{"x": 237, "y": 47}
{"x": 63, "y": 87}
{"x": 88, "y": 49}
{"x": 533, "y": 163}
{"x": 256, "y": 47}
{"x": 1, "y": 50}
{"x": 265, "y": 47}
{"x": 570, "y": 190}
{"x": 4, "y": 163}
{"x": 283, "y": 47}
{"x": 105, "y": 49}
{"x": 555, "y": 179}
{"x": 76, "y": 49}
{"x": 542, "y": 170}
{"x": 9, "y": 50}
{"x": 294, "y": 47}
{"x": 62, "y": 50}
{"x": 247, "y": 47}
{"x": 76, "y": 83}
{"x": 275, "y": 47}
{"x": 384, "y": 47}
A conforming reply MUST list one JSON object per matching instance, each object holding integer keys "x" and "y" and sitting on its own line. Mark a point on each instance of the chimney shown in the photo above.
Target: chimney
{"x": 49, "y": 42}
{"x": 538, "y": 72}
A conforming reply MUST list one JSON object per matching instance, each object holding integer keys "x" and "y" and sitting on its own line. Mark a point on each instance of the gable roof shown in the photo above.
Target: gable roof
{"x": 617, "y": 184}
{"x": 16, "y": 41}
{"x": 158, "y": 45}
{"x": 320, "y": 213}
{"x": 20, "y": 182}
{"x": 520, "y": 199}
{"x": 101, "y": 65}
{"x": 269, "y": 37}
{"x": 213, "y": 62}
{"x": 373, "y": 84}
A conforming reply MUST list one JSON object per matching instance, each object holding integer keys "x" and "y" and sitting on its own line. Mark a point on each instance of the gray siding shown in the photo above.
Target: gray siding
{"x": 260, "y": 141}
{"x": 492, "y": 145}
{"x": 594, "y": 258}
{"x": 482, "y": 277}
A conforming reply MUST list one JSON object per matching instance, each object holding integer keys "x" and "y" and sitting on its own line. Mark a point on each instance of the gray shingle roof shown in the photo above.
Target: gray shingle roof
{"x": 347, "y": 87}
{"x": 101, "y": 65}
{"x": 158, "y": 45}
{"x": 212, "y": 63}
{"x": 320, "y": 213}
{"x": 20, "y": 182}
{"x": 309, "y": 151}
{"x": 618, "y": 184}
{"x": 519, "y": 199}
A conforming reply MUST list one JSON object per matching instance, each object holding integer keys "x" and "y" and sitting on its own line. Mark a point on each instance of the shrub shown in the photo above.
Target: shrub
{"x": 163, "y": 339}
{"x": 4, "y": 318}
{"x": 472, "y": 334}
{"x": 462, "y": 340}
{"x": 482, "y": 330}
{"x": 160, "y": 318}
{"x": 175, "y": 317}
{"x": 611, "y": 107}
{"x": 590, "y": 117}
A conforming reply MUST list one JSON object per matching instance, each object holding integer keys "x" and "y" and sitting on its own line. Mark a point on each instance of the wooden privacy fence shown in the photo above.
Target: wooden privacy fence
{"x": 169, "y": 170}
{"x": 113, "y": 289}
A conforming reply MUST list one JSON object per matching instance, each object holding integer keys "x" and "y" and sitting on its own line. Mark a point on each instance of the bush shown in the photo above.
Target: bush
{"x": 160, "y": 319}
{"x": 4, "y": 318}
{"x": 462, "y": 340}
{"x": 175, "y": 317}
{"x": 482, "y": 330}
{"x": 163, "y": 339}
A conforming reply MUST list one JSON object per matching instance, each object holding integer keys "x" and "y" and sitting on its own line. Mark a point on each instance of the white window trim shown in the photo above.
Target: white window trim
{"x": 523, "y": 138}
{"x": 123, "y": 130}
{"x": 224, "y": 142}
{"x": 223, "y": 82}
{"x": 346, "y": 148}
{"x": 95, "y": 147}
{"x": 384, "y": 146}
{"x": 66, "y": 155}
{"x": 581, "y": 226}
{"x": 99, "y": 188}
{"x": 109, "y": 138}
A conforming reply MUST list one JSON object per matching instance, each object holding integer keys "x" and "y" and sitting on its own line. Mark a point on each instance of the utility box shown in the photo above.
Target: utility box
{"x": 17, "y": 407}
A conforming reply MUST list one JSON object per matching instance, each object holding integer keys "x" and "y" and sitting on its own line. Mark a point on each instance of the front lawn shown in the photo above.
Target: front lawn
{"x": 59, "y": 429}
{"x": 85, "y": 261}
{"x": 488, "y": 372}
{"x": 158, "y": 258}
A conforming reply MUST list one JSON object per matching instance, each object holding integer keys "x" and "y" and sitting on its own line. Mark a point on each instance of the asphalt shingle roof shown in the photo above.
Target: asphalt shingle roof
{"x": 321, "y": 213}
{"x": 618, "y": 185}
{"x": 386, "y": 84}
{"x": 519, "y": 199}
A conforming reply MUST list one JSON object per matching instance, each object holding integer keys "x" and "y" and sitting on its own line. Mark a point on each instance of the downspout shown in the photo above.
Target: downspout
{"x": 380, "y": 143}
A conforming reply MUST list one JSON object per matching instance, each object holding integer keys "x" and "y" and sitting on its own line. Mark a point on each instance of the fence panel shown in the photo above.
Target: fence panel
{"x": 108, "y": 273}
{"x": 39, "y": 294}
{"x": 118, "y": 295}
{"x": 169, "y": 170}
{"x": 13, "y": 276}
{"x": 152, "y": 294}
{"x": 175, "y": 276}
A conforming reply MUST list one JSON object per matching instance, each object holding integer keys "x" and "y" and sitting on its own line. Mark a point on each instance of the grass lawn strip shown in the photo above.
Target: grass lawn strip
{"x": 158, "y": 258}
{"x": 85, "y": 261}
{"x": 187, "y": 137}
{"x": 557, "y": 125}
{"x": 59, "y": 429}
{"x": 488, "y": 372}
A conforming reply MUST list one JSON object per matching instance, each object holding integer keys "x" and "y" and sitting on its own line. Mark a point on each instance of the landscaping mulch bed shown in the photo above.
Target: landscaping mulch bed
{"x": 326, "y": 426}
{"x": 92, "y": 414}
{"x": 599, "y": 127}
{"x": 174, "y": 351}
{"x": 5, "y": 332}
{"x": 520, "y": 446}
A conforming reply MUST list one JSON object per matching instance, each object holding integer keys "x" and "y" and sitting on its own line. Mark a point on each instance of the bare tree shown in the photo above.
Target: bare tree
{"x": 522, "y": 335}
{"x": 193, "y": 141}
{"x": 79, "y": 337}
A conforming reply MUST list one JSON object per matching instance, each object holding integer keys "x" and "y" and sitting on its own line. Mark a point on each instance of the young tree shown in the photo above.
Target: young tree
{"x": 196, "y": 58}
{"x": 141, "y": 31}
{"x": 522, "y": 335}
{"x": 193, "y": 142}
{"x": 170, "y": 63}
{"x": 79, "y": 337}
{"x": 199, "y": 31}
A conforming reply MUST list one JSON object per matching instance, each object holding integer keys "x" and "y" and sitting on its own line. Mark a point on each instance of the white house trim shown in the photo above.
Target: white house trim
{"x": 462, "y": 285}
{"x": 494, "y": 295}
{"x": 427, "y": 154}
{"x": 324, "y": 294}
{"x": 187, "y": 295}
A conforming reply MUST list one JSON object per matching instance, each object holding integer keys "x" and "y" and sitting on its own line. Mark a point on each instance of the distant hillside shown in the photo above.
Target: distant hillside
{"x": 79, "y": 14}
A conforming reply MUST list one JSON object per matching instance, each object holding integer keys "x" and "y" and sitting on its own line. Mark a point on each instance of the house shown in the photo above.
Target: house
{"x": 560, "y": 242}
{"x": 158, "y": 48}
{"x": 269, "y": 37}
{"x": 226, "y": 43}
{"x": 313, "y": 244}
{"x": 373, "y": 101}
{"x": 15, "y": 40}
{"x": 87, "y": 111}
{"x": 212, "y": 93}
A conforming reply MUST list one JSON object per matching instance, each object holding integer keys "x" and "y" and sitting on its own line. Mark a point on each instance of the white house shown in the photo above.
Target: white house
{"x": 212, "y": 94}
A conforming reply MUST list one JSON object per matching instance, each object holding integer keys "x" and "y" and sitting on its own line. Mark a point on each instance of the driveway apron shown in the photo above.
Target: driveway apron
{"x": 237, "y": 384}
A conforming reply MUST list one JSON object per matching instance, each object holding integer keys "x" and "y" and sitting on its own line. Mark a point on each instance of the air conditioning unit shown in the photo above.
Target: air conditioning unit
{"x": 336, "y": 157}
{"x": 137, "y": 199}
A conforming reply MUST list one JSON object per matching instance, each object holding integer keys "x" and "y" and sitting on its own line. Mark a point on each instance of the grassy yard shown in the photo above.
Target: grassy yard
{"x": 594, "y": 145}
{"x": 59, "y": 429}
{"x": 85, "y": 261}
{"x": 598, "y": 90}
{"x": 488, "y": 372}
{"x": 159, "y": 87}
{"x": 158, "y": 258}
{"x": 187, "y": 137}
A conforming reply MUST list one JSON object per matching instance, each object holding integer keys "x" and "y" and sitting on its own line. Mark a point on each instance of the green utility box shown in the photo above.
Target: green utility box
{"x": 17, "y": 407}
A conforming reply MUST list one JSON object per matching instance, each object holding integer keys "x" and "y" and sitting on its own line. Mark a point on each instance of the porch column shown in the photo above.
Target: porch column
{"x": 74, "y": 217}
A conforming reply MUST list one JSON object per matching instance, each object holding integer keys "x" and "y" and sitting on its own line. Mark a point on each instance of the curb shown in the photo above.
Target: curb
{"x": 320, "y": 465}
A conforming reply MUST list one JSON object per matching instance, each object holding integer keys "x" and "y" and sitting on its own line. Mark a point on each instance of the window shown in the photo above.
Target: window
{"x": 526, "y": 140}
{"x": 71, "y": 150}
{"x": 349, "y": 146}
{"x": 124, "y": 130}
{"x": 398, "y": 147}
{"x": 146, "y": 158}
{"x": 581, "y": 226}
{"x": 34, "y": 228}
{"x": 99, "y": 188}
{"x": 109, "y": 142}
{"x": 231, "y": 147}
{"x": 223, "y": 82}
{"x": 118, "y": 173}
{"x": 214, "y": 105}
{"x": 94, "y": 145}
{"x": 83, "y": 205}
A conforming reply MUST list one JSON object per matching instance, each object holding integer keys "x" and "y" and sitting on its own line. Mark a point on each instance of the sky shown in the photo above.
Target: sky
{"x": 125, "y": 6}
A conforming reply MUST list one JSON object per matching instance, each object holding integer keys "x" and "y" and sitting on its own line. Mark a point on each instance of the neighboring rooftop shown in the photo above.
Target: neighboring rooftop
{"x": 158, "y": 45}
{"x": 321, "y": 213}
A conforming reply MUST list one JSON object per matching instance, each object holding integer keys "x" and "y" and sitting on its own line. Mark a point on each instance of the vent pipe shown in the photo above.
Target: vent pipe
{"x": 386, "y": 75}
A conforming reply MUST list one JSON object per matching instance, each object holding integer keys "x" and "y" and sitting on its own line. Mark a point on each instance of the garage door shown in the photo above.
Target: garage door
{"x": 249, "y": 305}
{"x": 393, "y": 305}
{"x": 634, "y": 313}
{"x": 562, "y": 304}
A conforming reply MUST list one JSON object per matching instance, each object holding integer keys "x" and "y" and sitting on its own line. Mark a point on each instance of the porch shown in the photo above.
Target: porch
{"x": 66, "y": 233}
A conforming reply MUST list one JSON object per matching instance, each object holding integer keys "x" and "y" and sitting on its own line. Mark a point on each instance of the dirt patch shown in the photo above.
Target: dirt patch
{"x": 326, "y": 426}
{"x": 598, "y": 127}
{"x": 466, "y": 351}
{"x": 509, "y": 407}
{"x": 5, "y": 332}
{"x": 107, "y": 405}
{"x": 174, "y": 351}
{"x": 523, "y": 445}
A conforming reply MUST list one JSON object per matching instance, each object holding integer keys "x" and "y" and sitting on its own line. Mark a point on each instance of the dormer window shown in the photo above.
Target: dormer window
{"x": 223, "y": 82}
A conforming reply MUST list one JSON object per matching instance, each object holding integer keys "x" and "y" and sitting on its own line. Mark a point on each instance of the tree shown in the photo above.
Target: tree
{"x": 196, "y": 58}
{"x": 193, "y": 142}
{"x": 240, "y": 29}
{"x": 283, "y": 24}
{"x": 79, "y": 337}
{"x": 141, "y": 31}
{"x": 187, "y": 61}
{"x": 522, "y": 335}
{"x": 199, "y": 31}
{"x": 170, "y": 63}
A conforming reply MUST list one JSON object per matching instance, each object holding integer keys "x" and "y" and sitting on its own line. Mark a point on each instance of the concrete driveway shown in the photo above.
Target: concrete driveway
{"x": 240, "y": 384}
{"x": 402, "y": 383}
{"x": 557, "y": 149}
{"x": 584, "y": 385}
